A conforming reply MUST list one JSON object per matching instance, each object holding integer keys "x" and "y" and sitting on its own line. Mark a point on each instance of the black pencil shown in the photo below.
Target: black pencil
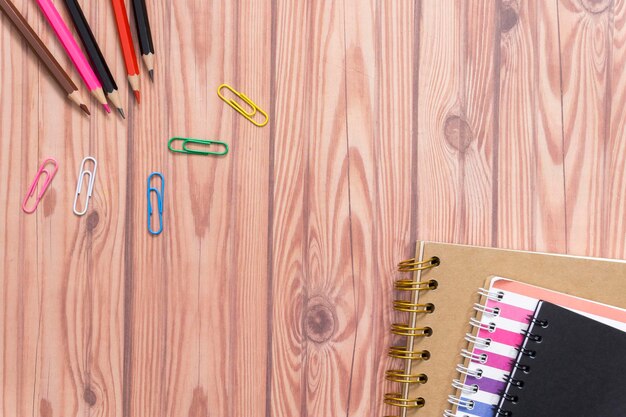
{"x": 145, "y": 35}
{"x": 95, "y": 55}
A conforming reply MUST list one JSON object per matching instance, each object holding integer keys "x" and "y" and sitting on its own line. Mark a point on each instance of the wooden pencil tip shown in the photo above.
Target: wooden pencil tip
{"x": 151, "y": 75}
{"x": 84, "y": 108}
{"x": 121, "y": 112}
{"x": 137, "y": 96}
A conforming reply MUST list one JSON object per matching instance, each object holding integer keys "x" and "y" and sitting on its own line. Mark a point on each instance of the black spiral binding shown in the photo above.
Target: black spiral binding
{"x": 407, "y": 352}
{"x": 516, "y": 382}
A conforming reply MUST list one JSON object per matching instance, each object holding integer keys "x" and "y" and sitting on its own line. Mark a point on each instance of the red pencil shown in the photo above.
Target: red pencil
{"x": 126, "y": 42}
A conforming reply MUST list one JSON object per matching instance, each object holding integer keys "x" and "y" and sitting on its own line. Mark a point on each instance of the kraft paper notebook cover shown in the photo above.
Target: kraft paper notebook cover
{"x": 438, "y": 295}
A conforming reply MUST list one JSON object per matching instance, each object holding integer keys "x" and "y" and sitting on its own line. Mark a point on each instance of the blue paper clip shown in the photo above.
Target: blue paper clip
{"x": 159, "y": 195}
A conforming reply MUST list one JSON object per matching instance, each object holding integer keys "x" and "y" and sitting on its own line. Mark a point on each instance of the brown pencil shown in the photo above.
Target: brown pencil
{"x": 61, "y": 77}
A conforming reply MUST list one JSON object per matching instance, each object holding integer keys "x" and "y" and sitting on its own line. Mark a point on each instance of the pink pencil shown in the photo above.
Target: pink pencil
{"x": 73, "y": 51}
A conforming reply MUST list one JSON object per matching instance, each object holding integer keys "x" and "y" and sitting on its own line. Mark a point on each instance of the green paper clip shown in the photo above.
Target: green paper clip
{"x": 185, "y": 149}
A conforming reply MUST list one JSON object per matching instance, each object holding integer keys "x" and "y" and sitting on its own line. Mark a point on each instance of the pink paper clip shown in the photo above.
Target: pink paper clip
{"x": 33, "y": 186}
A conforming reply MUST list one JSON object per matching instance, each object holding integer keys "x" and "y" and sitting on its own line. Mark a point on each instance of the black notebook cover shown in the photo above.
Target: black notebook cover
{"x": 568, "y": 366}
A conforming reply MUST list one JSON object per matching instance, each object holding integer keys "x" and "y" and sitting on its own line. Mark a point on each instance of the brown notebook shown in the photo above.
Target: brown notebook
{"x": 438, "y": 295}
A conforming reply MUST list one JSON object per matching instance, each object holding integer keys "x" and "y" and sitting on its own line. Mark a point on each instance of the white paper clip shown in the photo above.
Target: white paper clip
{"x": 79, "y": 185}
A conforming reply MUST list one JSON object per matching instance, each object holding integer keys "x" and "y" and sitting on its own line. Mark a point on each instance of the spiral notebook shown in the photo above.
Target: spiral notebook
{"x": 438, "y": 297}
{"x": 502, "y": 319}
{"x": 568, "y": 365}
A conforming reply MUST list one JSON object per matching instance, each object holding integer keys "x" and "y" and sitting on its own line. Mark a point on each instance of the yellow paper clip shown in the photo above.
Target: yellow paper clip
{"x": 232, "y": 103}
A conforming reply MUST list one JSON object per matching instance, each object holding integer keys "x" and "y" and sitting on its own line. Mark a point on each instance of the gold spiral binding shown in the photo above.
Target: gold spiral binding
{"x": 401, "y": 352}
{"x": 414, "y": 265}
{"x": 397, "y": 400}
{"x": 410, "y": 285}
{"x": 398, "y": 375}
{"x": 409, "y": 329}
{"x": 409, "y": 307}
{"x": 402, "y": 329}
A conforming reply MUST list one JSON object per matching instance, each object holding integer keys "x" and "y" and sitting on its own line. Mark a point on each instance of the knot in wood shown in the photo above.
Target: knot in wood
{"x": 458, "y": 133}
{"x": 596, "y": 6}
{"x": 45, "y": 408}
{"x": 49, "y": 202}
{"x": 90, "y": 397}
{"x": 199, "y": 403}
{"x": 508, "y": 19}
{"x": 319, "y": 320}
{"x": 92, "y": 220}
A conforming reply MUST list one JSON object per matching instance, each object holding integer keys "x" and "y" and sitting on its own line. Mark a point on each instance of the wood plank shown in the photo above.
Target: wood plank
{"x": 380, "y": 96}
{"x": 531, "y": 200}
{"x": 457, "y": 138}
{"x": 551, "y": 224}
{"x": 196, "y": 322}
{"x": 190, "y": 325}
{"x": 81, "y": 321}
{"x": 248, "y": 268}
{"x": 325, "y": 347}
{"x": 151, "y": 287}
{"x": 615, "y": 206}
{"x": 438, "y": 161}
{"x": 585, "y": 50}
{"x": 319, "y": 359}
{"x": 19, "y": 277}
{"x": 361, "y": 78}
{"x": 104, "y": 226}
{"x": 290, "y": 124}
{"x": 329, "y": 307}
{"x": 456, "y": 134}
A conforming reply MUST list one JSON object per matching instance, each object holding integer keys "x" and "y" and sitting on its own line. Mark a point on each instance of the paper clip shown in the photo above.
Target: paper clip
{"x": 240, "y": 110}
{"x": 185, "y": 149}
{"x": 159, "y": 195}
{"x": 49, "y": 176}
{"x": 79, "y": 184}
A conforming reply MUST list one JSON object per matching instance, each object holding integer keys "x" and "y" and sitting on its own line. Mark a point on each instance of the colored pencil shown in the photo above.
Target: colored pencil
{"x": 145, "y": 35}
{"x": 59, "y": 75}
{"x": 73, "y": 51}
{"x": 126, "y": 42}
{"x": 98, "y": 62}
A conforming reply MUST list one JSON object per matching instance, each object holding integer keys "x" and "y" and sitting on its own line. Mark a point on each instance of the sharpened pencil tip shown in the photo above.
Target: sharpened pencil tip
{"x": 121, "y": 112}
{"x": 107, "y": 108}
{"x": 84, "y": 108}
{"x": 137, "y": 96}
{"x": 151, "y": 75}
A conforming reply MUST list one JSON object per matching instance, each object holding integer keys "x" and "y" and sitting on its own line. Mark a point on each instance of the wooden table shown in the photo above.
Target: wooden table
{"x": 269, "y": 291}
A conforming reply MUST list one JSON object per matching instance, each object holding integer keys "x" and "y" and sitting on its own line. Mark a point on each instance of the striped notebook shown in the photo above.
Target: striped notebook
{"x": 498, "y": 329}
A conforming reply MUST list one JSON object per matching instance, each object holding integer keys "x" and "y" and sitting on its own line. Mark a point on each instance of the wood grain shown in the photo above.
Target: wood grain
{"x": 586, "y": 95}
{"x": 615, "y": 187}
{"x": 496, "y": 123}
{"x": 247, "y": 268}
{"x": 381, "y": 128}
{"x": 551, "y": 225}
{"x": 288, "y": 170}
{"x": 329, "y": 302}
{"x": 21, "y": 299}
{"x": 456, "y": 114}
{"x": 531, "y": 200}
